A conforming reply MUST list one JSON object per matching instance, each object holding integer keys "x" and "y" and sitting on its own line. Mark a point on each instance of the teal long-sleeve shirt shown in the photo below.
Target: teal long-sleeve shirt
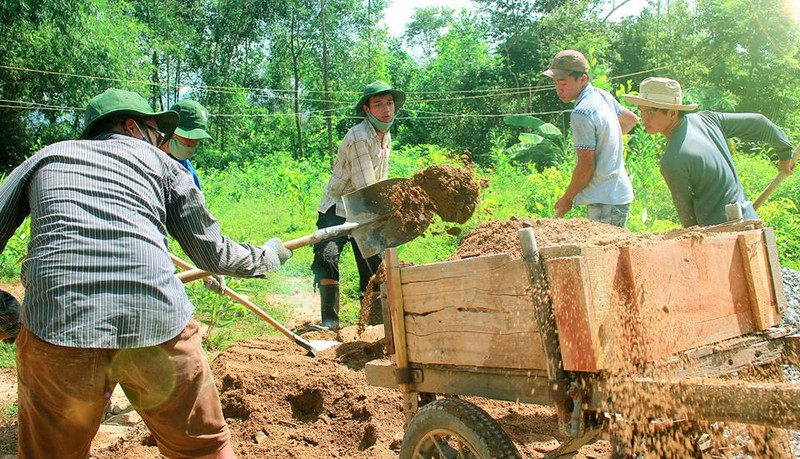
{"x": 698, "y": 167}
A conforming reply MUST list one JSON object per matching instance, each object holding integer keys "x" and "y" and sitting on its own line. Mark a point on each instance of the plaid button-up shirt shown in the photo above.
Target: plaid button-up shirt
{"x": 363, "y": 160}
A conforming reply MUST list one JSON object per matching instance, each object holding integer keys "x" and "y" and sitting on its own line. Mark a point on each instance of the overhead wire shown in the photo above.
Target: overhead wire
{"x": 495, "y": 93}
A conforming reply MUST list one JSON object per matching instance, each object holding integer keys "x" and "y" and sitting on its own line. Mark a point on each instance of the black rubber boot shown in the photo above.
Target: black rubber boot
{"x": 329, "y": 299}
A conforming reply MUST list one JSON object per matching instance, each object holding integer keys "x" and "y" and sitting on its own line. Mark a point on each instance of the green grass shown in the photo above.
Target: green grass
{"x": 277, "y": 197}
{"x": 7, "y": 356}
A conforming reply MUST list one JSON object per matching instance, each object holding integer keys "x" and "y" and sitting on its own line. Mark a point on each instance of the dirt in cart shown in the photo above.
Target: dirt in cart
{"x": 502, "y": 236}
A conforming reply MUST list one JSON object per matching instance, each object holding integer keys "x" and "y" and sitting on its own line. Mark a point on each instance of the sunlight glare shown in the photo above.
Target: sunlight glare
{"x": 794, "y": 9}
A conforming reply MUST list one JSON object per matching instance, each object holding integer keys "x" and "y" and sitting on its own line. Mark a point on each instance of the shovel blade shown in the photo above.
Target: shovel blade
{"x": 372, "y": 238}
{"x": 371, "y": 208}
{"x": 370, "y": 203}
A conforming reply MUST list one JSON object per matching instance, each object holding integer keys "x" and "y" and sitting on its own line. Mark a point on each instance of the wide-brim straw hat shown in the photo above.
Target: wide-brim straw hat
{"x": 659, "y": 92}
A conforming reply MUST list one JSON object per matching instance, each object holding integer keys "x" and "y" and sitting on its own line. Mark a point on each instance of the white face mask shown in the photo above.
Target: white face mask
{"x": 180, "y": 150}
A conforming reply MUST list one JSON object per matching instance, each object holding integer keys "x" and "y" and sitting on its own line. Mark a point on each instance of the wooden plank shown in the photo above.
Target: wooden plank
{"x": 573, "y": 309}
{"x": 757, "y": 278}
{"x": 770, "y": 404}
{"x": 395, "y": 299}
{"x": 775, "y": 269}
{"x": 493, "y": 283}
{"x": 480, "y": 338}
{"x": 720, "y": 359}
{"x": 510, "y": 385}
{"x": 471, "y": 312}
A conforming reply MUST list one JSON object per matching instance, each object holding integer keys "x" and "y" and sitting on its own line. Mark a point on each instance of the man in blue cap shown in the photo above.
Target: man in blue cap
{"x": 363, "y": 159}
{"x": 102, "y": 305}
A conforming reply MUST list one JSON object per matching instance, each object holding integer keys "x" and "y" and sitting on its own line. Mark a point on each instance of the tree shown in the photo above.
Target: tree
{"x": 426, "y": 26}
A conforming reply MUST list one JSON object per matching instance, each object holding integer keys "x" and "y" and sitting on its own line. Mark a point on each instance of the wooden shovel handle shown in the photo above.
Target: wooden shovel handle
{"x": 775, "y": 182}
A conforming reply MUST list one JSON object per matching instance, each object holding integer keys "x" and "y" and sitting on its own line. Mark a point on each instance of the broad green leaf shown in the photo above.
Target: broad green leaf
{"x": 530, "y": 139}
{"x": 524, "y": 121}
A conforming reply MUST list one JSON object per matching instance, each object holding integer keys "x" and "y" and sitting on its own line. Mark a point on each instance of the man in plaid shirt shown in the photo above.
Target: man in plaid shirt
{"x": 363, "y": 159}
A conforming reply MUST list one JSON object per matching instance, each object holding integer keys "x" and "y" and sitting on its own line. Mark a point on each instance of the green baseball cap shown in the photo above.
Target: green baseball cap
{"x": 379, "y": 87}
{"x": 120, "y": 102}
{"x": 194, "y": 120}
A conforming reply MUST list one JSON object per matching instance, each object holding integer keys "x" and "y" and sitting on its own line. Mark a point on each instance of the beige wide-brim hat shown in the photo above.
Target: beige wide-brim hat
{"x": 660, "y": 93}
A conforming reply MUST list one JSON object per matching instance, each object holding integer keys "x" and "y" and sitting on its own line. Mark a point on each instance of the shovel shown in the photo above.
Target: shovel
{"x": 313, "y": 346}
{"x": 369, "y": 222}
{"x": 775, "y": 182}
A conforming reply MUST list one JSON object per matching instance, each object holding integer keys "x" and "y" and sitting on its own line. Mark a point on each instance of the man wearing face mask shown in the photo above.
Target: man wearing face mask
{"x": 190, "y": 131}
{"x": 102, "y": 304}
{"x": 363, "y": 159}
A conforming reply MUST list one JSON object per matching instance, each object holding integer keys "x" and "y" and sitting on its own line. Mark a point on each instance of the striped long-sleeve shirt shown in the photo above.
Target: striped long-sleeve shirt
{"x": 97, "y": 273}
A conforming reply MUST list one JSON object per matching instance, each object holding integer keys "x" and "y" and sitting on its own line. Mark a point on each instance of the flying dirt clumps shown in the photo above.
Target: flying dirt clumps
{"x": 450, "y": 192}
{"x": 454, "y": 192}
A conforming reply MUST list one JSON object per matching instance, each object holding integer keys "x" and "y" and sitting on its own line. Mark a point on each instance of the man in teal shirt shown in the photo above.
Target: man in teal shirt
{"x": 697, "y": 164}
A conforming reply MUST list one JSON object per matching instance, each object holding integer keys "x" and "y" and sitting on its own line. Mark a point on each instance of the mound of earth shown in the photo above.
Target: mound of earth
{"x": 281, "y": 403}
{"x": 501, "y": 236}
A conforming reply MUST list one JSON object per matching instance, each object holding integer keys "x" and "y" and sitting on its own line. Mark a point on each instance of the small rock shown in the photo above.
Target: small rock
{"x": 397, "y": 440}
{"x": 261, "y": 436}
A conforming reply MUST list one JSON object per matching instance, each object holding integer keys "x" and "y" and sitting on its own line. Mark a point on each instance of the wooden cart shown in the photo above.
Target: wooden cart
{"x": 576, "y": 327}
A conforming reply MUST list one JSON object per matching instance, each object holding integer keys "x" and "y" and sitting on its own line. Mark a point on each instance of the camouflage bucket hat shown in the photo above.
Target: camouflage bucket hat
{"x": 194, "y": 120}
{"x": 379, "y": 87}
{"x": 120, "y": 102}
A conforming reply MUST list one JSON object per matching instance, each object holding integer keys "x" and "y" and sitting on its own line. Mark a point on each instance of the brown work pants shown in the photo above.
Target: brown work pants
{"x": 63, "y": 391}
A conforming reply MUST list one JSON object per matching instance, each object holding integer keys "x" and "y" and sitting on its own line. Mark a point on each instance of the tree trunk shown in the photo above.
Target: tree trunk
{"x": 295, "y": 48}
{"x": 325, "y": 80}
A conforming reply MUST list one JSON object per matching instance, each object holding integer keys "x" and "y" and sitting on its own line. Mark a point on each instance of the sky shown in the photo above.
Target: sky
{"x": 400, "y": 11}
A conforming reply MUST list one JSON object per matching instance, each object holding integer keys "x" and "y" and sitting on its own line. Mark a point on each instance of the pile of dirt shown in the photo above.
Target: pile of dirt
{"x": 280, "y": 403}
{"x": 502, "y": 236}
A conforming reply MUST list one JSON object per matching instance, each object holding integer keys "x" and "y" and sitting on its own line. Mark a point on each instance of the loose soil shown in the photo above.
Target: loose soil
{"x": 450, "y": 192}
{"x": 281, "y": 403}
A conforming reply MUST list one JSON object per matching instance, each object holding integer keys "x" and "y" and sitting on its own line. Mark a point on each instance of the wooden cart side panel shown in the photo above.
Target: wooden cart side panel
{"x": 473, "y": 312}
{"x": 644, "y": 303}
{"x": 695, "y": 298}
{"x": 574, "y": 313}
{"x": 755, "y": 262}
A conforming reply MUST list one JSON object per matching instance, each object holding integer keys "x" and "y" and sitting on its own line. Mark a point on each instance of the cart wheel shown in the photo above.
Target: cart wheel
{"x": 452, "y": 428}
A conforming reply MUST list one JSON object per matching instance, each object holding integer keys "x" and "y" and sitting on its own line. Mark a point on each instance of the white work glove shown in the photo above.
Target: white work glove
{"x": 216, "y": 283}
{"x": 276, "y": 254}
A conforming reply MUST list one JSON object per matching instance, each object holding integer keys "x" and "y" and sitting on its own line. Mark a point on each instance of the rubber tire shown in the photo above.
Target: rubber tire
{"x": 470, "y": 425}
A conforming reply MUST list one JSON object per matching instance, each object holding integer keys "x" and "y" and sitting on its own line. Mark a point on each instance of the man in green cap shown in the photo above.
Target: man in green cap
{"x": 182, "y": 145}
{"x": 102, "y": 305}
{"x": 190, "y": 131}
{"x": 363, "y": 159}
